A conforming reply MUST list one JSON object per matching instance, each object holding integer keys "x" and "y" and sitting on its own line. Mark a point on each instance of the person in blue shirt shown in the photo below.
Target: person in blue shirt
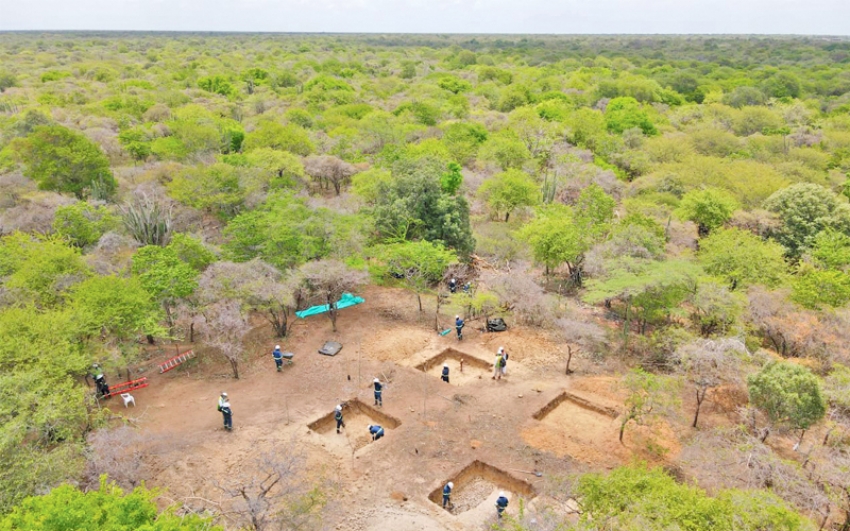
{"x": 376, "y": 431}
{"x": 453, "y": 285}
{"x": 459, "y": 327}
{"x": 278, "y": 357}
{"x": 447, "y": 494}
{"x": 445, "y": 375}
{"x": 338, "y": 418}
{"x": 501, "y": 504}
{"x": 379, "y": 387}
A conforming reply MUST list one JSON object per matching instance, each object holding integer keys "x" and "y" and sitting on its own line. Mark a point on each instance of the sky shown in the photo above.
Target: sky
{"x": 811, "y": 17}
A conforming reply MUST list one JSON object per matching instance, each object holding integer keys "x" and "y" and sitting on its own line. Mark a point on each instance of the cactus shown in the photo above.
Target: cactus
{"x": 147, "y": 221}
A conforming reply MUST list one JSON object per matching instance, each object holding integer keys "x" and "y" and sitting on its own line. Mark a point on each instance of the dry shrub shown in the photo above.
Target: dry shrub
{"x": 519, "y": 293}
{"x": 33, "y": 214}
{"x": 120, "y": 454}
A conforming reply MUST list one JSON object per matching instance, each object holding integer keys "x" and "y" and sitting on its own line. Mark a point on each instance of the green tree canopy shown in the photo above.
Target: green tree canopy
{"x": 509, "y": 190}
{"x": 788, "y": 394}
{"x": 638, "y": 498}
{"x": 742, "y": 258}
{"x": 805, "y": 209}
{"x": 274, "y": 135}
{"x": 709, "y": 208}
{"x": 626, "y": 113}
{"x": 414, "y": 206}
{"x": 63, "y": 160}
{"x": 83, "y": 224}
{"x": 106, "y": 509}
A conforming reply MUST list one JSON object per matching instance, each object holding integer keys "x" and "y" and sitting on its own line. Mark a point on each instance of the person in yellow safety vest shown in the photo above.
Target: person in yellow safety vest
{"x": 221, "y": 400}
{"x": 497, "y": 367}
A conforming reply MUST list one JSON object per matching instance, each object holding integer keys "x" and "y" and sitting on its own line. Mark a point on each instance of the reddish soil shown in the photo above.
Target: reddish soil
{"x": 444, "y": 428}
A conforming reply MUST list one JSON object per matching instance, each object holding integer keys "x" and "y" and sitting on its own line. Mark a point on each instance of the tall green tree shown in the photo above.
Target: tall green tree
{"x": 420, "y": 264}
{"x": 742, "y": 258}
{"x": 804, "y": 210}
{"x": 509, "y": 190}
{"x": 63, "y": 160}
{"x": 709, "y": 208}
{"x": 788, "y": 394}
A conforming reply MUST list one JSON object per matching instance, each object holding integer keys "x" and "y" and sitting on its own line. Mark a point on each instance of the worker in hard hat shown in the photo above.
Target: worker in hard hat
{"x": 379, "y": 387}
{"x": 501, "y": 504}
{"x": 278, "y": 357}
{"x": 338, "y": 417}
{"x": 445, "y": 374}
{"x": 376, "y": 431}
{"x": 447, "y": 494}
{"x": 459, "y": 327}
{"x": 226, "y": 412}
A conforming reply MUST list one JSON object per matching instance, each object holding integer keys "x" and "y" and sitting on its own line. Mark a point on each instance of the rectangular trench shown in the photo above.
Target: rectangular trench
{"x": 354, "y": 406}
{"x": 479, "y": 469}
{"x": 577, "y": 400}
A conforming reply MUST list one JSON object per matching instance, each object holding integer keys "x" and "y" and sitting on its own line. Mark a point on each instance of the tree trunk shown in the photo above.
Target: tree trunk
{"x": 700, "y": 397}
{"x": 150, "y": 339}
{"x": 507, "y": 216}
{"x": 192, "y": 332}
{"x": 764, "y": 436}
{"x": 234, "y": 364}
{"x": 419, "y": 299}
{"x": 569, "y": 358}
{"x": 626, "y": 420}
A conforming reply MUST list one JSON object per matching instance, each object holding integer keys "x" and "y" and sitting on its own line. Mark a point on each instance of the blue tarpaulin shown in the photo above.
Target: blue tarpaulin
{"x": 345, "y": 301}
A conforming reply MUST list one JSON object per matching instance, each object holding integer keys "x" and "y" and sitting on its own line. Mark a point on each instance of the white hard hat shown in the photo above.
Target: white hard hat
{"x": 223, "y": 393}
{"x": 501, "y": 349}
{"x": 376, "y": 380}
{"x": 457, "y": 316}
{"x": 501, "y": 494}
{"x": 277, "y": 346}
{"x": 445, "y": 364}
{"x": 339, "y": 407}
{"x": 369, "y": 426}
{"x": 451, "y": 485}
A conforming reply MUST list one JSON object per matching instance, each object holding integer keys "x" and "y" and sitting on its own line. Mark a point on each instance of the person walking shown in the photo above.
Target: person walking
{"x": 278, "y": 357}
{"x": 226, "y": 412}
{"x": 459, "y": 327}
{"x": 376, "y": 431}
{"x": 505, "y": 356}
{"x": 338, "y": 417}
{"x": 445, "y": 375}
{"x": 447, "y": 494}
{"x": 453, "y": 285}
{"x": 497, "y": 366}
{"x": 379, "y": 387}
{"x": 501, "y": 504}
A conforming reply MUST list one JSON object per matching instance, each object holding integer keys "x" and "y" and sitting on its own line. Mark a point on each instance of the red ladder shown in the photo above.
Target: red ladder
{"x": 170, "y": 363}
{"x": 126, "y": 387}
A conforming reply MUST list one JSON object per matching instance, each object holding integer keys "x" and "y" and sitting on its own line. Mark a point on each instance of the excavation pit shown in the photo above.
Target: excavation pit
{"x": 478, "y": 485}
{"x": 357, "y": 417}
{"x": 474, "y": 369}
{"x": 567, "y": 412}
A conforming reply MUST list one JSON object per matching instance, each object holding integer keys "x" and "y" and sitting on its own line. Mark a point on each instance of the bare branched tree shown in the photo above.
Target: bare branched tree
{"x": 523, "y": 296}
{"x": 224, "y": 327}
{"x": 709, "y": 363}
{"x": 329, "y": 279}
{"x": 273, "y": 492}
{"x": 258, "y": 286}
{"x": 587, "y": 337}
{"x": 118, "y": 453}
{"x": 329, "y": 170}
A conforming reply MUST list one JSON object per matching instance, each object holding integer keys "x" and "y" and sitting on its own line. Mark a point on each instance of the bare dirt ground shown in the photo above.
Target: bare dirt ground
{"x": 386, "y": 484}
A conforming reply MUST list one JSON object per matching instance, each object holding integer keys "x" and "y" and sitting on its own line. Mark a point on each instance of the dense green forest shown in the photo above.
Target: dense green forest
{"x": 694, "y": 190}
